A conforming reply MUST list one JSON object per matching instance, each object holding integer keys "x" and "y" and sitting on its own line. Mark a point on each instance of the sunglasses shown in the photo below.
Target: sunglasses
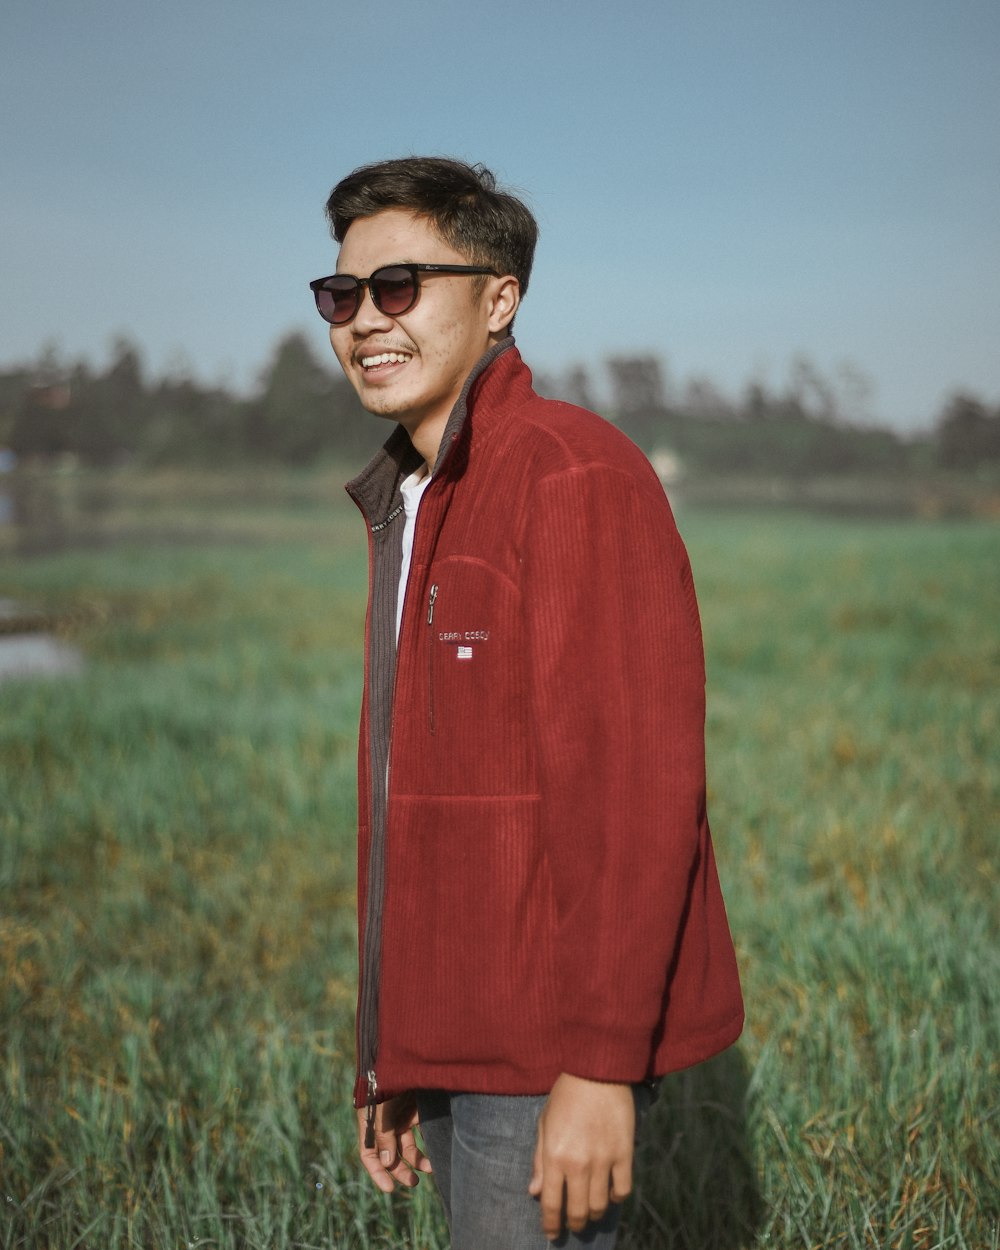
{"x": 394, "y": 290}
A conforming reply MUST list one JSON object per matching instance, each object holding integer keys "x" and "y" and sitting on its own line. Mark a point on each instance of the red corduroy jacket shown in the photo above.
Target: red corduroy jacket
{"x": 537, "y": 886}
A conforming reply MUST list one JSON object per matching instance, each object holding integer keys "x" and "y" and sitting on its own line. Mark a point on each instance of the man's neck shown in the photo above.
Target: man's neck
{"x": 426, "y": 437}
{"x": 427, "y": 430}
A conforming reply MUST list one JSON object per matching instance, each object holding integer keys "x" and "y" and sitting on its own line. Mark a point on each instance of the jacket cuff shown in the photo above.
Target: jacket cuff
{"x": 598, "y": 1053}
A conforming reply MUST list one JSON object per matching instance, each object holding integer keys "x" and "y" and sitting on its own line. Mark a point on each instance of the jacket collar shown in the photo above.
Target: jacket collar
{"x": 376, "y": 488}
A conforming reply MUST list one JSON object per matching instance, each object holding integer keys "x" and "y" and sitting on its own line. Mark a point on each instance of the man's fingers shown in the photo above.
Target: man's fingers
{"x": 382, "y": 1161}
{"x": 369, "y": 1158}
{"x": 387, "y": 1169}
{"x": 552, "y": 1205}
{"x": 403, "y": 1173}
{"x": 621, "y": 1180}
{"x": 589, "y": 1136}
{"x": 578, "y": 1202}
{"x": 600, "y": 1194}
{"x": 412, "y": 1153}
{"x": 535, "y": 1184}
{"x": 372, "y": 1164}
{"x": 377, "y": 1172}
{"x": 387, "y": 1145}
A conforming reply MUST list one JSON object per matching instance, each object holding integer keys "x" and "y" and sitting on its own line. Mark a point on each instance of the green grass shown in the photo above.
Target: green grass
{"x": 176, "y": 897}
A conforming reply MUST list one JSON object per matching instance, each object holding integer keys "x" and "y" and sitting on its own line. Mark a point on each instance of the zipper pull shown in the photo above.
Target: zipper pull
{"x": 370, "y": 1105}
{"x": 430, "y": 604}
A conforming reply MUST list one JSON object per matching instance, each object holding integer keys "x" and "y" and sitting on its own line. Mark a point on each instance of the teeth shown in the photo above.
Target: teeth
{"x": 384, "y": 358}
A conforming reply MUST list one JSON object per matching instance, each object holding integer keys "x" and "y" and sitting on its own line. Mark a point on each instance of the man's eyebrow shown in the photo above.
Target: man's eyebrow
{"x": 389, "y": 264}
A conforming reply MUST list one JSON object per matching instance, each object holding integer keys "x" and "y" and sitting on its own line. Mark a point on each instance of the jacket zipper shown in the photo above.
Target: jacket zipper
{"x": 431, "y": 600}
{"x": 371, "y": 954}
{"x": 370, "y": 1110}
{"x": 371, "y": 962}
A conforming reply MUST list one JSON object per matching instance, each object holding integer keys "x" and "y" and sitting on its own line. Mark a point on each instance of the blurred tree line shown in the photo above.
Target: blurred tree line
{"x": 812, "y": 425}
{"x": 303, "y": 411}
{"x": 299, "y": 412}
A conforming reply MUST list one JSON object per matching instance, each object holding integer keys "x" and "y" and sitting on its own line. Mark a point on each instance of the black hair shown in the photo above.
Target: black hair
{"x": 489, "y": 226}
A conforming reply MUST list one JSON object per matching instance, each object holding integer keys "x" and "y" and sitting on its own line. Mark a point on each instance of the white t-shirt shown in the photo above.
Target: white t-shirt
{"x": 413, "y": 488}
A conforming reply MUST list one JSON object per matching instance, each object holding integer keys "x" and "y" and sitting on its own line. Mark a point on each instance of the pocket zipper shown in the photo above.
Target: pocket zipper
{"x": 431, "y": 600}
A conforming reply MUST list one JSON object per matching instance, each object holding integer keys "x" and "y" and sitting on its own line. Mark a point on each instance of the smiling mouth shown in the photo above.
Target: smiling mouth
{"x": 383, "y": 359}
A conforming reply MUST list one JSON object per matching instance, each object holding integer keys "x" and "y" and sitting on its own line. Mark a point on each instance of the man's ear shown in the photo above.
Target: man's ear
{"x": 503, "y": 303}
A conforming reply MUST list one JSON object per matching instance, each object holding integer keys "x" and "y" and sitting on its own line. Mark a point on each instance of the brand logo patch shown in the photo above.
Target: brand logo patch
{"x": 464, "y": 653}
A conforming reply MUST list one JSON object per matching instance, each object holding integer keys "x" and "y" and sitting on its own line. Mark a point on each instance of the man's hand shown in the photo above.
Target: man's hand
{"x": 395, "y": 1158}
{"x": 586, "y": 1135}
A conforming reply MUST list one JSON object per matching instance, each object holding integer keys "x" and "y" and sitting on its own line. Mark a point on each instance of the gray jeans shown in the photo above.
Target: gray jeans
{"x": 481, "y": 1148}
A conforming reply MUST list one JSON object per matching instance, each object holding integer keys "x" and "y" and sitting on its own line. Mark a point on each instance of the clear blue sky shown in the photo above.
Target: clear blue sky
{"x": 725, "y": 182}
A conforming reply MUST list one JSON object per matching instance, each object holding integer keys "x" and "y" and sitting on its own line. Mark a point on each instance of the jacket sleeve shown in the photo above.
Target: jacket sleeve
{"x": 617, "y": 694}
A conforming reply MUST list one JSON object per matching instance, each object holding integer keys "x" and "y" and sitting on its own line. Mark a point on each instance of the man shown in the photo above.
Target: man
{"x": 542, "y": 930}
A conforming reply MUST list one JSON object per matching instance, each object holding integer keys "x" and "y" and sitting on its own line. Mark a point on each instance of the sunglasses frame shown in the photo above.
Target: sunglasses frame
{"x": 318, "y": 288}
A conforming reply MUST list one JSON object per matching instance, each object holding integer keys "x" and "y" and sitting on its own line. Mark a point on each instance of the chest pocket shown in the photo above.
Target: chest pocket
{"x": 476, "y": 680}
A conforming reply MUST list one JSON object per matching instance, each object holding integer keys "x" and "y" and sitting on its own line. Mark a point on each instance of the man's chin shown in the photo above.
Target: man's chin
{"x": 381, "y": 406}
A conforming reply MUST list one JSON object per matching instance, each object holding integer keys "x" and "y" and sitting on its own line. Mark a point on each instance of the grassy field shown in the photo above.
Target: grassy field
{"x": 176, "y": 893}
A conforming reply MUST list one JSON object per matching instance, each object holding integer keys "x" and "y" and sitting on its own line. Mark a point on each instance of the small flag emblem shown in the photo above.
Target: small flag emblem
{"x": 465, "y": 653}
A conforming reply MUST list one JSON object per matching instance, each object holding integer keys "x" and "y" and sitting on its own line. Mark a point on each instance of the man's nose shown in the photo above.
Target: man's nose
{"x": 369, "y": 317}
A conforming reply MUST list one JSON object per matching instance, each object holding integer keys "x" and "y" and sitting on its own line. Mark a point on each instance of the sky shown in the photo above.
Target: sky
{"x": 725, "y": 183}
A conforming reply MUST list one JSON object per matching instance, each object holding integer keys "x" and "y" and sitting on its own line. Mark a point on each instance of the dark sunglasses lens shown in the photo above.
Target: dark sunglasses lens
{"x": 394, "y": 289}
{"x": 337, "y": 301}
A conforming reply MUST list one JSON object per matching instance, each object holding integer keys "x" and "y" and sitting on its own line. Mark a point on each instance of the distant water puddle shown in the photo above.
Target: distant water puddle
{"x": 28, "y": 649}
